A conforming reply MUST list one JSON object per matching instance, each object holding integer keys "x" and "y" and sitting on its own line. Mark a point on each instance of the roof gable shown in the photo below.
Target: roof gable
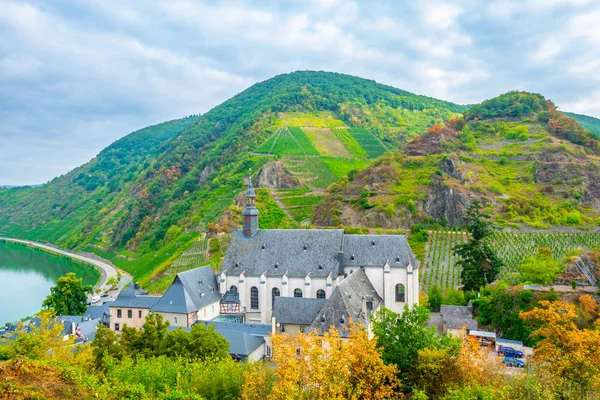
{"x": 346, "y": 302}
{"x": 296, "y": 310}
{"x": 190, "y": 291}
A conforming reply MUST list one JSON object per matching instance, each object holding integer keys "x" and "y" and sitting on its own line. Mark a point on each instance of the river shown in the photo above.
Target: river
{"x": 26, "y": 276}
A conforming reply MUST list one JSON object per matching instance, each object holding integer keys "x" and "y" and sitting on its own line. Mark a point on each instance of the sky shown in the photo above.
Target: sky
{"x": 77, "y": 75}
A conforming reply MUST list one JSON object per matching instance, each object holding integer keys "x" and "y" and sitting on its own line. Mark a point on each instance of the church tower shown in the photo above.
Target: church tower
{"x": 250, "y": 213}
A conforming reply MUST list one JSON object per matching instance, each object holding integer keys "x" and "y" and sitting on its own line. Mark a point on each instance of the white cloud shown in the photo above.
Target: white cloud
{"x": 74, "y": 76}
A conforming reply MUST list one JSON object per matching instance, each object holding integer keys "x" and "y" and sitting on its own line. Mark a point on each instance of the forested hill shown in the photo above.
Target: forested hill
{"x": 590, "y": 123}
{"x": 529, "y": 164}
{"x": 142, "y": 199}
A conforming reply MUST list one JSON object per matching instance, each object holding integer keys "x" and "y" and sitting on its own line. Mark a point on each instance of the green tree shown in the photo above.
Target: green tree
{"x": 435, "y": 298}
{"x": 106, "y": 344}
{"x": 401, "y": 337}
{"x": 542, "y": 268}
{"x": 68, "y": 296}
{"x": 202, "y": 342}
{"x": 480, "y": 265}
{"x": 112, "y": 282}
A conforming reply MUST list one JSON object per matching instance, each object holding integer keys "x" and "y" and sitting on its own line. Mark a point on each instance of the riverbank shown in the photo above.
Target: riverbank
{"x": 107, "y": 270}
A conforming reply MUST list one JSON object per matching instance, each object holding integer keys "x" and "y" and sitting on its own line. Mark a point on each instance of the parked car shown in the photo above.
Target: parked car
{"x": 95, "y": 299}
{"x": 104, "y": 295}
{"x": 510, "y": 352}
{"x": 513, "y": 362}
{"x": 485, "y": 342}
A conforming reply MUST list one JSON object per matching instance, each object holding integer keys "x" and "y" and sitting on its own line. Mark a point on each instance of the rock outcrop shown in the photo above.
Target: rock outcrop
{"x": 445, "y": 203}
{"x": 275, "y": 176}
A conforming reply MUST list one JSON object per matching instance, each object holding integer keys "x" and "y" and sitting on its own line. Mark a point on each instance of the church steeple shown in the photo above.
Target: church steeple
{"x": 250, "y": 213}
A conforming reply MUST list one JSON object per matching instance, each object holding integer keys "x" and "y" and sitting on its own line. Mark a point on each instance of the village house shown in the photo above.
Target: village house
{"x": 192, "y": 296}
{"x": 131, "y": 308}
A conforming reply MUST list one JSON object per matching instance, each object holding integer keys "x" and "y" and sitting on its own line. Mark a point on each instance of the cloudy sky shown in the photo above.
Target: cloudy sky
{"x": 76, "y": 75}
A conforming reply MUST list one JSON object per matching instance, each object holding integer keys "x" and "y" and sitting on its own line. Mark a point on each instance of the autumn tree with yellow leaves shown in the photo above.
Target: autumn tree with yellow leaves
{"x": 323, "y": 367}
{"x": 565, "y": 353}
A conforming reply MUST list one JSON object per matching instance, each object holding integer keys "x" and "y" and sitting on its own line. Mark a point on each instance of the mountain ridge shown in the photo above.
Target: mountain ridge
{"x": 150, "y": 195}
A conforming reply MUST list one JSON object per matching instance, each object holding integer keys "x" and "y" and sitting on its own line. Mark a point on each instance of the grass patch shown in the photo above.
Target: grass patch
{"x": 342, "y": 166}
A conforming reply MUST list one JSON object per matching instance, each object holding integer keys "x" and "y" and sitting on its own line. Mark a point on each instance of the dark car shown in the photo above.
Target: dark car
{"x": 104, "y": 295}
{"x": 510, "y": 352}
{"x": 513, "y": 362}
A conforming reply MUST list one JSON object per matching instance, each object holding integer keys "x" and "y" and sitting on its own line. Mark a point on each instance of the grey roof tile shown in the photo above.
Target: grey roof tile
{"x": 296, "y": 252}
{"x": 376, "y": 250}
{"x": 297, "y": 310}
{"x": 128, "y": 299}
{"x": 346, "y": 302}
{"x": 190, "y": 291}
{"x": 243, "y": 338}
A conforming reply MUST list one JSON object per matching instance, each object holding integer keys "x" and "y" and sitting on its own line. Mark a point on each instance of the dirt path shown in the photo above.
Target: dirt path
{"x": 108, "y": 271}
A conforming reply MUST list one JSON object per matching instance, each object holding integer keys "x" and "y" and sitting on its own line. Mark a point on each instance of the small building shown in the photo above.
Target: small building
{"x": 131, "y": 309}
{"x": 456, "y": 318}
{"x": 295, "y": 314}
{"x": 246, "y": 341}
{"x": 193, "y": 296}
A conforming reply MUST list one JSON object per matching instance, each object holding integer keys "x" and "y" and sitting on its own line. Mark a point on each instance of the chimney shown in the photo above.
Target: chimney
{"x": 136, "y": 286}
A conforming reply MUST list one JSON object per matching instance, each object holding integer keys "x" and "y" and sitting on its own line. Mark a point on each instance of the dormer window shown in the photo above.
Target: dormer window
{"x": 236, "y": 265}
{"x": 398, "y": 259}
{"x": 322, "y": 318}
{"x": 276, "y": 265}
{"x": 342, "y": 321}
{"x": 352, "y": 257}
{"x": 320, "y": 266}
{"x": 264, "y": 246}
{"x": 305, "y": 247}
{"x": 201, "y": 283}
{"x": 372, "y": 243}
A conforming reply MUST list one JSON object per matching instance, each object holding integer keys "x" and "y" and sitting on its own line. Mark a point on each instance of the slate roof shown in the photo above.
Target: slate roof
{"x": 346, "y": 302}
{"x": 128, "y": 299}
{"x": 243, "y": 338}
{"x": 190, "y": 291}
{"x": 376, "y": 250}
{"x": 296, "y": 310}
{"x": 456, "y": 317}
{"x": 296, "y": 252}
{"x": 97, "y": 312}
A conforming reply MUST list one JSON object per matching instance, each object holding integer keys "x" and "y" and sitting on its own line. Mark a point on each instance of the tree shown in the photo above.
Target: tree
{"x": 401, "y": 337}
{"x": 566, "y": 353}
{"x": 480, "y": 265}
{"x": 69, "y": 296}
{"x": 202, "y": 342}
{"x": 112, "y": 282}
{"x": 106, "y": 344}
{"x": 540, "y": 269}
{"x": 435, "y": 298}
{"x": 324, "y": 367}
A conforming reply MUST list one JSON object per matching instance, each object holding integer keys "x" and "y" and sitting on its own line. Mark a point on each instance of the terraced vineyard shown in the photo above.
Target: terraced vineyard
{"x": 440, "y": 266}
{"x": 367, "y": 141}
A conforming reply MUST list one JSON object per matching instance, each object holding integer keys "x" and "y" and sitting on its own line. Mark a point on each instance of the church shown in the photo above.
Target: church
{"x": 261, "y": 265}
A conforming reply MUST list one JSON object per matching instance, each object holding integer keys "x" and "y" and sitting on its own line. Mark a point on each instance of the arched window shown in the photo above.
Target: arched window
{"x": 233, "y": 288}
{"x": 297, "y": 292}
{"x": 274, "y": 293}
{"x": 400, "y": 292}
{"x": 254, "y": 297}
{"x": 320, "y": 294}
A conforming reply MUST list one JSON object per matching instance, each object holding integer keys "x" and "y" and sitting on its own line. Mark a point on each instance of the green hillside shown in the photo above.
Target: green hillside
{"x": 143, "y": 200}
{"x": 531, "y": 165}
{"x": 589, "y": 123}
